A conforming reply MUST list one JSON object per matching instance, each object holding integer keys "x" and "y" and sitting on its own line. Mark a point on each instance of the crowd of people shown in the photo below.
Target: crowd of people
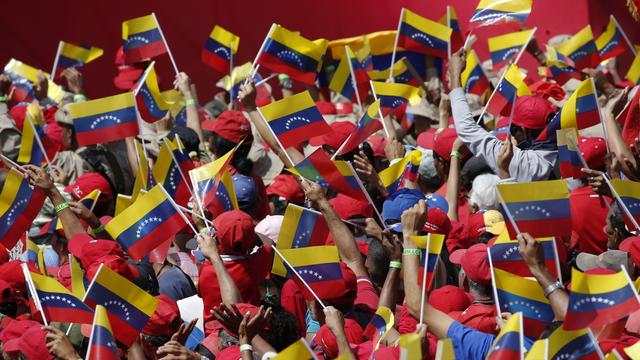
{"x": 218, "y": 297}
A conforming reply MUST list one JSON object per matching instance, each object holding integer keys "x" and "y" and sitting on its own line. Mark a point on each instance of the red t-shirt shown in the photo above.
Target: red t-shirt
{"x": 247, "y": 274}
{"x": 588, "y": 221}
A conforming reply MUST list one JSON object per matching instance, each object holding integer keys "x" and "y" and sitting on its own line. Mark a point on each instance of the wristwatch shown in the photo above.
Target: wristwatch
{"x": 553, "y": 287}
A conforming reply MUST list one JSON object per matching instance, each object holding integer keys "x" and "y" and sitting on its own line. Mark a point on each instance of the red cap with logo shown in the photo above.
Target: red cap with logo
{"x": 532, "y": 111}
{"x": 593, "y": 150}
{"x": 88, "y": 182}
{"x": 443, "y": 142}
{"x": 235, "y": 231}
{"x": 344, "y": 108}
{"x": 378, "y": 143}
{"x": 230, "y": 125}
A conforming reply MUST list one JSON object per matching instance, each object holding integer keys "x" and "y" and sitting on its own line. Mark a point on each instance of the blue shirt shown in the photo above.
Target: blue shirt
{"x": 176, "y": 284}
{"x": 471, "y": 344}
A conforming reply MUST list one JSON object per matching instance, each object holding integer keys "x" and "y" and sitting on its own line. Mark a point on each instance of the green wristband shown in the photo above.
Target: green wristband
{"x": 58, "y": 208}
{"x": 203, "y": 230}
{"x": 191, "y": 102}
{"x": 411, "y": 252}
{"x": 99, "y": 229}
{"x": 79, "y": 98}
{"x": 456, "y": 154}
{"x": 395, "y": 264}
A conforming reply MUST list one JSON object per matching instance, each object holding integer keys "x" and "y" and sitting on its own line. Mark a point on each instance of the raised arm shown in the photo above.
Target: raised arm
{"x": 228, "y": 288}
{"x": 453, "y": 181}
{"x": 247, "y": 97}
{"x": 187, "y": 89}
{"x": 393, "y": 248}
{"x": 335, "y": 322}
{"x": 342, "y": 236}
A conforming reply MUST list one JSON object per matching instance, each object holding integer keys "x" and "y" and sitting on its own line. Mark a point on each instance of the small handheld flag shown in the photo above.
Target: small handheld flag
{"x": 450, "y": 19}
{"x": 504, "y": 96}
{"x": 146, "y": 223}
{"x": 78, "y": 287}
{"x": 629, "y": 192}
{"x": 422, "y": 35}
{"x": 394, "y": 176}
{"x": 633, "y": 74}
{"x": 494, "y": 12}
{"x": 294, "y": 119}
{"x": 345, "y": 80}
{"x": 505, "y": 47}
{"x": 430, "y": 248}
{"x": 505, "y": 256}
{"x": 379, "y": 325}
{"x": 299, "y": 350}
{"x": 142, "y": 39}
{"x": 369, "y": 123}
{"x": 473, "y": 79}
{"x": 302, "y": 227}
{"x": 19, "y": 206}
{"x": 128, "y": 306}
{"x": 205, "y": 178}
{"x": 394, "y": 95}
{"x": 151, "y": 104}
{"x": 143, "y": 181}
{"x": 219, "y": 48}
{"x": 410, "y": 347}
{"x": 611, "y": 42}
{"x": 581, "y": 49}
{"x": 570, "y": 163}
{"x": 287, "y": 52}
{"x": 563, "y": 344}
{"x": 401, "y": 74}
{"x": 169, "y": 171}
{"x": 509, "y": 344}
{"x": 540, "y": 208}
{"x": 71, "y": 55}
{"x": 107, "y": 119}
{"x": 560, "y": 70}
{"x": 102, "y": 344}
{"x": 599, "y": 299}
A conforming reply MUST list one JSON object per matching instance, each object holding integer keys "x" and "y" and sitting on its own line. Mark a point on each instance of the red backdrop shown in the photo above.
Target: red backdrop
{"x": 31, "y": 29}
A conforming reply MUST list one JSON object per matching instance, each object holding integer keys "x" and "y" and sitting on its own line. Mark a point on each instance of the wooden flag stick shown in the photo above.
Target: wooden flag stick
{"x": 254, "y": 68}
{"x": 354, "y": 83}
{"x": 276, "y": 137}
{"x": 506, "y": 210}
{"x": 34, "y": 293}
{"x": 166, "y": 45}
{"x": 373, "y": 205}
{"x": 199, "y": 200}
{"x": 55, "y": 62}
{"x": 387, "y": 132}
{"x": 175, "y": 206}
{"x": 395, "y": 44}
{"x": 143, "y": 78}
{"x": 496, "y": 300}
{"x": 15, "y": 165}
{"x": 604, "y": 128}
{"x": 266, "y": 79}
{"x": 37, "y": 137}
{"x": 298, "y": 275}
{"x": 524, "y": 47}
{"x": 424, "y": 280}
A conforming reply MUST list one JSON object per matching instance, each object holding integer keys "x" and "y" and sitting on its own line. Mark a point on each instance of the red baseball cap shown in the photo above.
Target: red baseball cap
{"x": 378, "y": 143}
{"x": 235, "y": 231}
{"x": 325, "y": 107}
{"x": 347, "y": 207}
{"x": 15, "y": 329}
{"x": 437, "y": 221}
{"x": 32, "y": 344}
{"x": 128, "y": 75}
{"x": 165, "y": 320}
{"x": 326, "y": 339}
{"x": 632, "y": 246}
{"x": 230, "y": 125}
{"x": 443, "y": 142}
{"x": 449, "y": 298}
{"x": 475, "y": 264}
{"x": 88, "y": 182}
{"x": 479, "y": 223}
{"x": 288, "y": 187}
{"x": 344, "y": 108}
{"x": 593, "y": 150}
{"x": 532, "y": 111}
{"x": 426, "y": 139}
{"x": 11, "y": 272}
{"x": 340, "y": 132}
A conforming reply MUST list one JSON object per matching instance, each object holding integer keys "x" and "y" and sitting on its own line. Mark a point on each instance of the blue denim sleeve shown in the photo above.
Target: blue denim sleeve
{"x": 469, "y": 343}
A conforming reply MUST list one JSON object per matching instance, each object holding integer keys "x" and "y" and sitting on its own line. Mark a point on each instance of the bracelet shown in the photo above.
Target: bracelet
{"x": 58, "y": 208}
{"x": 553, "y": 287}
{"x": 457, "y": 154}
{"x": 410, "y": 252}
{"x": 203, "y": 230}
{"x": 246, "y": 347}
{"x": 79, "y": 98}
{"x": 396, "y": 264}
{"x": 3, "y": 98}
{"x": 99, "y": 229}
{"x": 190, "y": 102}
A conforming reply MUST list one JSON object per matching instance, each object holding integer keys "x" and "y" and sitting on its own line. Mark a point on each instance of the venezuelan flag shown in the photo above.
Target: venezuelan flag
{"x": 343, "y": 78}
{"x": 232, "y": 82}
{"x": 78, "y": 285}
{"x": 178, "y": 107}
{"x": 473, "y": 78}
{"x": 122, "y": 202}
{"x": 560, "y": 70}
{"x": 494, "y": 12}
{"x": 505, "y": 256}
{"x": 128, "y": 306}
{"x": 30, "y": 151}
{"x": 299, "y": 350}
{"x": 23, "y": 77}
{"x": 330, "y": 174}
{"x": 563, "y": 344}
{"x": 633, "y": 74}
{"x": 206, "y": 177}
{"x": 102, "y": 343}
{"x": 394, "y": 95}
{"x": 581, "y": 49}
{"x": 394, "y": 176}
{"x": 336, "y": 47}
{"x": 580, "y": 111}
{"x": 32, "y": 253}
{"x": 107, "y": 119}
{"x": 444, "y": 350}
{"x": 381, "y": 48}
{"x": 611, "y": 42}
{"x": 219, "y": 48}
{"x": 89, "y": 201}
{"x": 629, "y": 192}
{"x": 302, "y": 227}
{"x": 19, "y": 205}
{"x": 450, "y": 19}
{"x": 599, "y": 299}
{"x": 430, "y": 248}
{"x": 379, "y": 325}
{"x": 170, "y": 169}
{"x": 509, "y": 344}
{"x": 518, "y": 294}
{"x": 151, "y": 104}
{"x": 140, "y": 227}
{"x": 143, "y": 181}
{"x": 422, "y": 35}
{"x": 319, "y": 266}
{"x": 287, "y": 52}
{"x": 57, "y": 303}
{"x": 570, "y": 163}
{"x": 72, "y": 55}
{"x": 401, "y": 74}
{"x": 142, "y": 39}
{"x": 294, "y": 119}
{"x": 225, "y": 195}
{"x": 369, "y": 123}
{"x": 505, "y": 47}
{"x": 511, "y": 86}
{"x": 540, "y": 208}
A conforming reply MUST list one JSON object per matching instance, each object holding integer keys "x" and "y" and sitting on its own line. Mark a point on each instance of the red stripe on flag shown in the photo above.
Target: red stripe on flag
{"x": 145, "y": 52}
{"x": 111, "y": 133}
{"x": 168, "y": 228}
{"x": 276, "y": 65}
{"x": 413, "y": 45}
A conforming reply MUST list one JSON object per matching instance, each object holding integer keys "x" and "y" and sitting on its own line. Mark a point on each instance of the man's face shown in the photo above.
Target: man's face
{"x": 67, "y": 137}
